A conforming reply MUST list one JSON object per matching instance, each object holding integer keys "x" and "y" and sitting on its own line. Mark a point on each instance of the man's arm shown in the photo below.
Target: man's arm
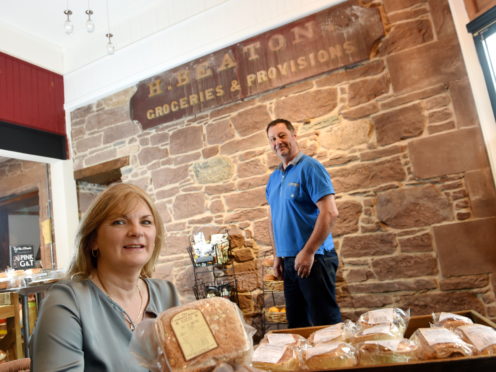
{"x": 328, "y": 214}
{"x": 277, "y": 265}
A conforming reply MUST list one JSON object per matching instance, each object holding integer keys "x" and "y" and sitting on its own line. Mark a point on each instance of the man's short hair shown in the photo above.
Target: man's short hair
{"x": 287, "y": 123}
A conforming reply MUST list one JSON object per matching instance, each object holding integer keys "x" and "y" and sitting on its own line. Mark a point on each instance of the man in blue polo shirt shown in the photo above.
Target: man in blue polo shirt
{"x": 302, "y": 212}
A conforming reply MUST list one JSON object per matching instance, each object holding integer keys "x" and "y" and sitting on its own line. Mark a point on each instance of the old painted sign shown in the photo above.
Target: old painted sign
{"x": 339, "y": 36}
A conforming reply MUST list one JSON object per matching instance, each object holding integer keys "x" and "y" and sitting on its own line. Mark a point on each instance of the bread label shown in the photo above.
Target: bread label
{"x": 382, "y": 328}
{"x": 269, "y": 353}
{"x": 321, "y": 349}
{"x": 381, "y": 316}
{"x": 328, "y": 333}
{"x": 438, "y": 336}
{"x": 192, "y": 333}
{"x": 280, "y": 338}
{"x": 479, "y": 335}
{"x": 451, "y": 316}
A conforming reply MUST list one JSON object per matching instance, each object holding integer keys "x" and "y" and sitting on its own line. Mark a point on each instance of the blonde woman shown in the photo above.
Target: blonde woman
{"x": 86, "y": 322}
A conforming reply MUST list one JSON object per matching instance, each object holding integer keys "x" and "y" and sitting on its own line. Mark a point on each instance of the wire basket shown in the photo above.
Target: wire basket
{"x": 274, "y": 285}
{"x": 275, "y": 317}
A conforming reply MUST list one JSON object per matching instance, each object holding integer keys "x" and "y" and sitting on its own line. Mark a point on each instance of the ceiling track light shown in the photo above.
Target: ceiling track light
{"x": 68, "y": 25}
{"x": 90, "y": 25}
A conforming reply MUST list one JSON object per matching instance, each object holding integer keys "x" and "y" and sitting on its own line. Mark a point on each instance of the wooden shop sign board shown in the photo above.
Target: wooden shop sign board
{"x": 339, "y": 36}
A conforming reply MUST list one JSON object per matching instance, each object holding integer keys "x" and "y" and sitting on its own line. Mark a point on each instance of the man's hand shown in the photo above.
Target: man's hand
{"x": 278, "y": 268}
{"x": 304, "y": 263}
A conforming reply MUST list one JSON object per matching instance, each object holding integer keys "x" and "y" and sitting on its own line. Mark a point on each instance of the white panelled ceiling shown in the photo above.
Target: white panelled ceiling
{"x": 33, "y": 30}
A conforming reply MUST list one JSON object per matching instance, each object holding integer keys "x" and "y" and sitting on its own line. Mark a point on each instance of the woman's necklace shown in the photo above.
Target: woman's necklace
{"x": 127, "y": 318}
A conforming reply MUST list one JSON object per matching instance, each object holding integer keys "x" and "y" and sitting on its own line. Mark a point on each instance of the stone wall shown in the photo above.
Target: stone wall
{"x": 400, "y": 137}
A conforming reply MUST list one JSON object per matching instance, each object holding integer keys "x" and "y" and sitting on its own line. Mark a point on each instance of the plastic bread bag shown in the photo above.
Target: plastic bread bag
{"x": 482, "y": 337}
{"x": 439, "y": 343}
{"x": 378, "y": 332}
{"x": 450, "y": 320}
{"x": 343, "y": 331}
{"x": 273, "y": 338}
{"x": 330, "y": 355}
{"x": 197, "y": 336}
{"x": 386, "y": 352}
{"x": 277, "y": 358}
{"x": 388, "y": 315}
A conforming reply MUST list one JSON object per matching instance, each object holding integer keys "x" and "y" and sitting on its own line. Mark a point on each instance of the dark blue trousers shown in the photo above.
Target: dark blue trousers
{"x": 312, "y": 301}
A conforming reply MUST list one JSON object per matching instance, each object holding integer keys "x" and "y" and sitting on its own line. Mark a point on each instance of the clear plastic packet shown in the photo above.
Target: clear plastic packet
{"x": 388, "y": 315}
{"x": 283, "y": 339}
{"x": 439, "y": 343}
{"x": 378, "y": 332}
{"x": 330, "y": 355}
{"x": 482, "y": 337}
{"x": 386, "y": 352}
{"x": 450, "y": 320}
{"x": 197, "y": 336}
{"x": 343, "y": 331}
{"x": 277, "y": 358}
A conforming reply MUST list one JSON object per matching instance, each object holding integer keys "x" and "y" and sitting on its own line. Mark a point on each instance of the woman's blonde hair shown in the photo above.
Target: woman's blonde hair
{"x": 117, "y": 198}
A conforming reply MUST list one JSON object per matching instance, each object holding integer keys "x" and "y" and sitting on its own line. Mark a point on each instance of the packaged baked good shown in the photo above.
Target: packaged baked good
{"x": 450, "y": 320}
{"x": 377, "y": 332}
{"x": 388, "y": 315}
{"x": 194, "y": 337}
{"x": 386, "y": 352}
{"x": 337, "y": 332}
{"x": 439, "y": 343}
{"x": 283, "y": 339}
{"x": 329, "y": 356}
{"x": 276, "y": 358}
{"x": 482, "y": 337}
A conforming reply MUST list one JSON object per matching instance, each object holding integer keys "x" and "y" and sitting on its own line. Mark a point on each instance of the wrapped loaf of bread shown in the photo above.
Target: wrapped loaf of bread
{"x": 450, "y": 320}
{"x": 439, "y": 343}
{"x": 276, "y": 358}
{"x": 386, "y": 352}
{"x": 283, "y": 339}
{"x": 199, "y": 335}
{"x": 389, "y": 315}
{"x": 482, "y": 337}
{"x": 378, "y": 332}
{"x": 337, "y": 332}
{"x": 329, "y": 356}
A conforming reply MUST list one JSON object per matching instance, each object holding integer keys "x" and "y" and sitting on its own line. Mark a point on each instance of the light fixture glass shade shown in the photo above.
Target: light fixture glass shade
{"x": 90, "y": 25}
{"x": 68, "y": 25}
{"x": 110, "y": 48}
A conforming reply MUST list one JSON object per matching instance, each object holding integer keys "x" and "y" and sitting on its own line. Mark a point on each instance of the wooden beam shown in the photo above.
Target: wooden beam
{"x": 103, "y": 173}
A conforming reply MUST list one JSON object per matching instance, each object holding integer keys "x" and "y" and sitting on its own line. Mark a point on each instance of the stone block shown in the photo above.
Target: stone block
{"x": 413, "y": 207}
{"x": 106, "y": 118}
{"x": 219, "y": 189}
{"x": 400, "y": 124}
{"x": 167, "y": 176}
{"x": 428, "y": 303}
{"x": 426, "y": 65}
{"x": 360, "y": 71}
{"x": 367, "y": 90}
{"x": 406, "y": 35}
{"x": 481, "y": 192}
{"x": 186, "y": 139}
{"x": 247, "y": 199}
{"x": 251, "y": 120}
{"x": 213, "y": 170}
{"x": 396, "y": 5}
{"x": 246, "y": 215}
{"x": 307, "y": 106}
{"x": 219, "y": 132}
{"x": 247, "y": 143}
{"x": 175, "y": 244}
{"x": 464, "y": 282}
{"x": 404, "y": 266}
{"x": 381, "y": 153}
{"x": 440, "y": 155}
{"x": 394, "y": 286}
{"x": 188, "y": 205}
{"x": 368, "y": 245}
{"x": 243, "y": 254}
{"x": 252, "y": 183}
{"x": 349, "y": 214}
{"x": 417, "y": 243}
{"x": 463, "y": 103}
{"x": 148, "y": 155}
{"x": 251, "y": 168}
{"x": 467, "y": 248}
{"x": 365, "y": 176}
{"x": 346, "y": 135}
{"x": 442, "y": 19}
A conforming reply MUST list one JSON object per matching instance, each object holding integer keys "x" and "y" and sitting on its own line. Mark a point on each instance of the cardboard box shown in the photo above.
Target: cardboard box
{"x": 461, "y": 364}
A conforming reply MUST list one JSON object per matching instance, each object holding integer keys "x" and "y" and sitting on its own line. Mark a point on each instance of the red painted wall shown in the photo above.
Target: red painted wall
{"x": 31, "y": 96}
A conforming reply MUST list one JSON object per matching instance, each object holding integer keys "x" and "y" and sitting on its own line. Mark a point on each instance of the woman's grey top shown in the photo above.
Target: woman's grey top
{"x": 80, "y": 328}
